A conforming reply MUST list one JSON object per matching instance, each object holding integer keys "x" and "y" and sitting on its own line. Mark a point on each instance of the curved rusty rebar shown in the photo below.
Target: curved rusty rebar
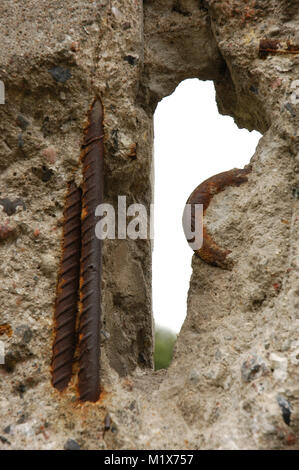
{"x": 91, "y": 258}
{"x": 67, "y": 291}
{"x": 210, "y": 252}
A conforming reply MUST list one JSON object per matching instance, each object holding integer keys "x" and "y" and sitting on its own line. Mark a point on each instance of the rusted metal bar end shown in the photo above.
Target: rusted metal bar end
{"x": 91, "y": 258}
{"x": 210, "y": 252}
{"x": 276, "y": 47}
{"x": 67, "y": 291}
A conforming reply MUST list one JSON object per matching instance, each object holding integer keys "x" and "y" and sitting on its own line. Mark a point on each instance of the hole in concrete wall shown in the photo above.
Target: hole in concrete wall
{"x": 192, "y": 142}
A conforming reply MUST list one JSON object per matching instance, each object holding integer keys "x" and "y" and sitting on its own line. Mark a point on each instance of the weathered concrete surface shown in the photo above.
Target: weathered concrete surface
{"x": 233, "y": 383}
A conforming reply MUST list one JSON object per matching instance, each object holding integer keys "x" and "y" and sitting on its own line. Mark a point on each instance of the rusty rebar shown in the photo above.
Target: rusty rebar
{"x": 210, "y": 252}
{"x": 67, "y": 291}
{"x": 91, "y": 258}
{"x": 276, "y": 47}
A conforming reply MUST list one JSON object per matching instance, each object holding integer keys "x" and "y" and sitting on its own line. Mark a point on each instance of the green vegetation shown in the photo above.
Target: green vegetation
{"x": 164, "y": 343}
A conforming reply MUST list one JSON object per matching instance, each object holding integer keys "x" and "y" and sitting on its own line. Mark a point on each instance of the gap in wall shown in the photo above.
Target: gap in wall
{"x": 192, "y": 142}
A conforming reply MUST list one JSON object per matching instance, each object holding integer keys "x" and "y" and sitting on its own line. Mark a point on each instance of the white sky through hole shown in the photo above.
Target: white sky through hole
{"x": 192, "y": 142}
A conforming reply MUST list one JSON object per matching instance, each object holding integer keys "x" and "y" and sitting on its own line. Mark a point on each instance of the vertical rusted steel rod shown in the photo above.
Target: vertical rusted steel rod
{"x": 91, "y": 258}
{"x": 67, "y": 298}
